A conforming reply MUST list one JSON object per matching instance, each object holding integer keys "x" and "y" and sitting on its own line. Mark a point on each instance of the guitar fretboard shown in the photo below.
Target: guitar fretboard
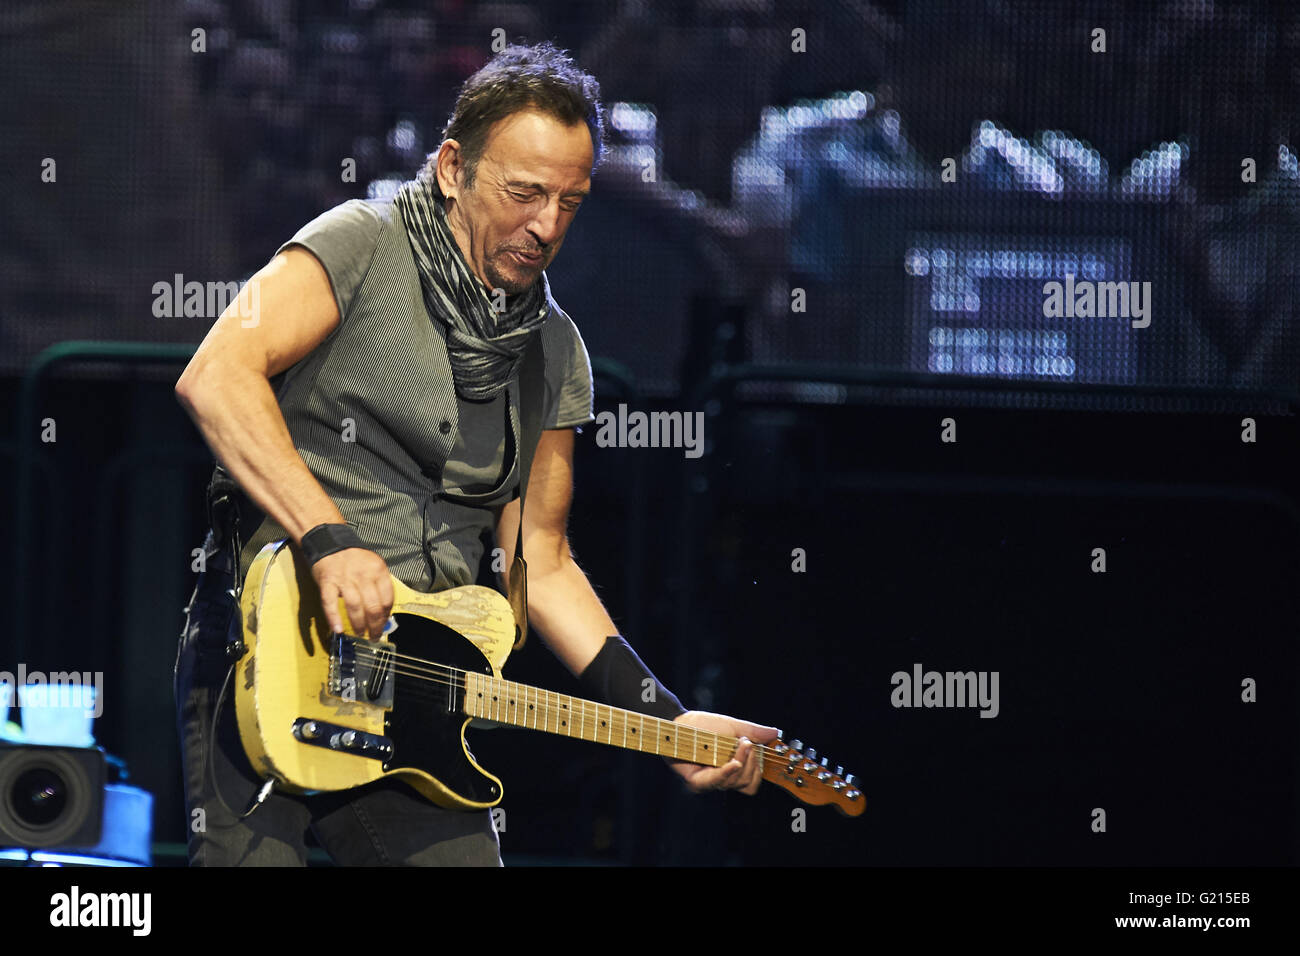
{"x": 521, "y": 705}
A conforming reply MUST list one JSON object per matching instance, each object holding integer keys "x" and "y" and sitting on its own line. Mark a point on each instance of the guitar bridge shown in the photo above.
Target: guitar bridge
{"x": 362, "y": 671}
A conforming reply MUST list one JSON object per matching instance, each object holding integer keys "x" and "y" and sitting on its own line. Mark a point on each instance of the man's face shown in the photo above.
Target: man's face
{"x": 532, "y": 176}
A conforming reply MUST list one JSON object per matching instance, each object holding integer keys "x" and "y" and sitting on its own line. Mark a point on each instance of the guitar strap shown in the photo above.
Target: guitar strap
{"x": 532, "y": 396}
{"x": 224, "y": 498}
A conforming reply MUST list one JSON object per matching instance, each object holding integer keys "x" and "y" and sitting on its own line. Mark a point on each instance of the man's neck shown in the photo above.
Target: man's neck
{"x": 461, "y": 237}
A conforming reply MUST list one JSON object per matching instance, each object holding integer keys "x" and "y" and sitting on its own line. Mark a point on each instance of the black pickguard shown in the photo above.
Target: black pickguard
{"x": 425, "y": 733}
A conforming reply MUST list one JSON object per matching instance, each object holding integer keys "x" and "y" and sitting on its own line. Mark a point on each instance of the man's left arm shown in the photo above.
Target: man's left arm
{"x": 572, "y": 620}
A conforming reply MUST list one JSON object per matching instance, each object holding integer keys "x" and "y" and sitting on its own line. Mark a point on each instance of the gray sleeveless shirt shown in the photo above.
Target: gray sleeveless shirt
{"x": 373, "y": 412}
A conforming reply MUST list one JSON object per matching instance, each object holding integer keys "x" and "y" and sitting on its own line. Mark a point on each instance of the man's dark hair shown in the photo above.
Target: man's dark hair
{"x": 538, "y": 77}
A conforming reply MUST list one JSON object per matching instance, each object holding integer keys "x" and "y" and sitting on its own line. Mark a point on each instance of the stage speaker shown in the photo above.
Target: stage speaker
{"x": 51, "y": 796}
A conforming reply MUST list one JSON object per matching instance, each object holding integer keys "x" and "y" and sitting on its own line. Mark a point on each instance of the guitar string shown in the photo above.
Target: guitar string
{"x": 723, "y": 744}
{"x": 580, "y": 712}
{"x": 441, "y": 669}
{"x": 724, "y": 747}
{"x": 437, "y": 674}
{"x": 647, "y": 741}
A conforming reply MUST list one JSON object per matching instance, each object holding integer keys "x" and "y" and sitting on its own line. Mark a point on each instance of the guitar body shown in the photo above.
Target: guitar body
{"x": 299, "y": 690}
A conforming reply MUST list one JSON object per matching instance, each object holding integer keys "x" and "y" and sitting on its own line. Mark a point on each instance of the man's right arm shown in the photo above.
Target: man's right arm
{"x": 227, "y": 392}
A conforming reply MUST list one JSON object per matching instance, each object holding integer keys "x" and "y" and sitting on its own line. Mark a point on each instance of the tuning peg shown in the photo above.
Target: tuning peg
{"x": 796, "y": 744}
{"x": 811, "y": 754}
{"x": 851, "y": 780}
{"x": 826, "y": 761}
{"x": 839, "y": 771}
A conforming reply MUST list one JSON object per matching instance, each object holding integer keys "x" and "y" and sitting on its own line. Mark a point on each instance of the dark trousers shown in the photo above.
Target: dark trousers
{"x": 384, "y": 823}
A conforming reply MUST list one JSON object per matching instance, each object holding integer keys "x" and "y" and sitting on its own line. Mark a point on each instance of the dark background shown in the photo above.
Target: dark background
{"x": 1118, "y": 690}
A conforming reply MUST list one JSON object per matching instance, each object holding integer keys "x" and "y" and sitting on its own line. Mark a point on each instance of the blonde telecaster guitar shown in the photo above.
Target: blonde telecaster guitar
{"x": 323, "y": 712}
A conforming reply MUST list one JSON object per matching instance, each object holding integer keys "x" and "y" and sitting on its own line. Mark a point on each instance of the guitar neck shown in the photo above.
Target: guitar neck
{"x": 520, "y": 705}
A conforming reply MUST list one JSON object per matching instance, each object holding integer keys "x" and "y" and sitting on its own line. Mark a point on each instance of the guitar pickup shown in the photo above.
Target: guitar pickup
{"x": 362, "y": 671}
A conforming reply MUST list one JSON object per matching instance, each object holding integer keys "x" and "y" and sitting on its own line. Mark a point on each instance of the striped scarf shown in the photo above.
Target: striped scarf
{"x": 485, "y": 347}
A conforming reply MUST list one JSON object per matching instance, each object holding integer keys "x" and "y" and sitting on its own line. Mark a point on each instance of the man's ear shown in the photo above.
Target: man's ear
{"x": 449, "y": 168}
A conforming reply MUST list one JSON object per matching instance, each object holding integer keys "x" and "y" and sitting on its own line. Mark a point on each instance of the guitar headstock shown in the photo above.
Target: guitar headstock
{"x": 812, "y": 779}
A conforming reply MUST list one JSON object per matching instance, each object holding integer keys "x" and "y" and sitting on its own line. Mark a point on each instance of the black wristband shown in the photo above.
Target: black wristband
{"x": 326, "y": 539}
{"x": 618, "y": 677}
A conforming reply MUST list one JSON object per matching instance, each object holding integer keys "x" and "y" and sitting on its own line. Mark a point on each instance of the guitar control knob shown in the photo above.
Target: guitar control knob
{"x": 812, "y": 754}
{"x": 797, "y": 744}
{"x": 310, "y": 730}
{"x": 349, "y": 738}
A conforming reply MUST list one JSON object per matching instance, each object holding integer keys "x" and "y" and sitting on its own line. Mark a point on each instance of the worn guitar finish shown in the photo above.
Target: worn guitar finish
{"x": 323, "y": 712}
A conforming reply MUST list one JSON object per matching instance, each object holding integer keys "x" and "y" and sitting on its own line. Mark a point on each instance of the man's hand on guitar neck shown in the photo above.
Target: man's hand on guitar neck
{"x": 742, "y": 772}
